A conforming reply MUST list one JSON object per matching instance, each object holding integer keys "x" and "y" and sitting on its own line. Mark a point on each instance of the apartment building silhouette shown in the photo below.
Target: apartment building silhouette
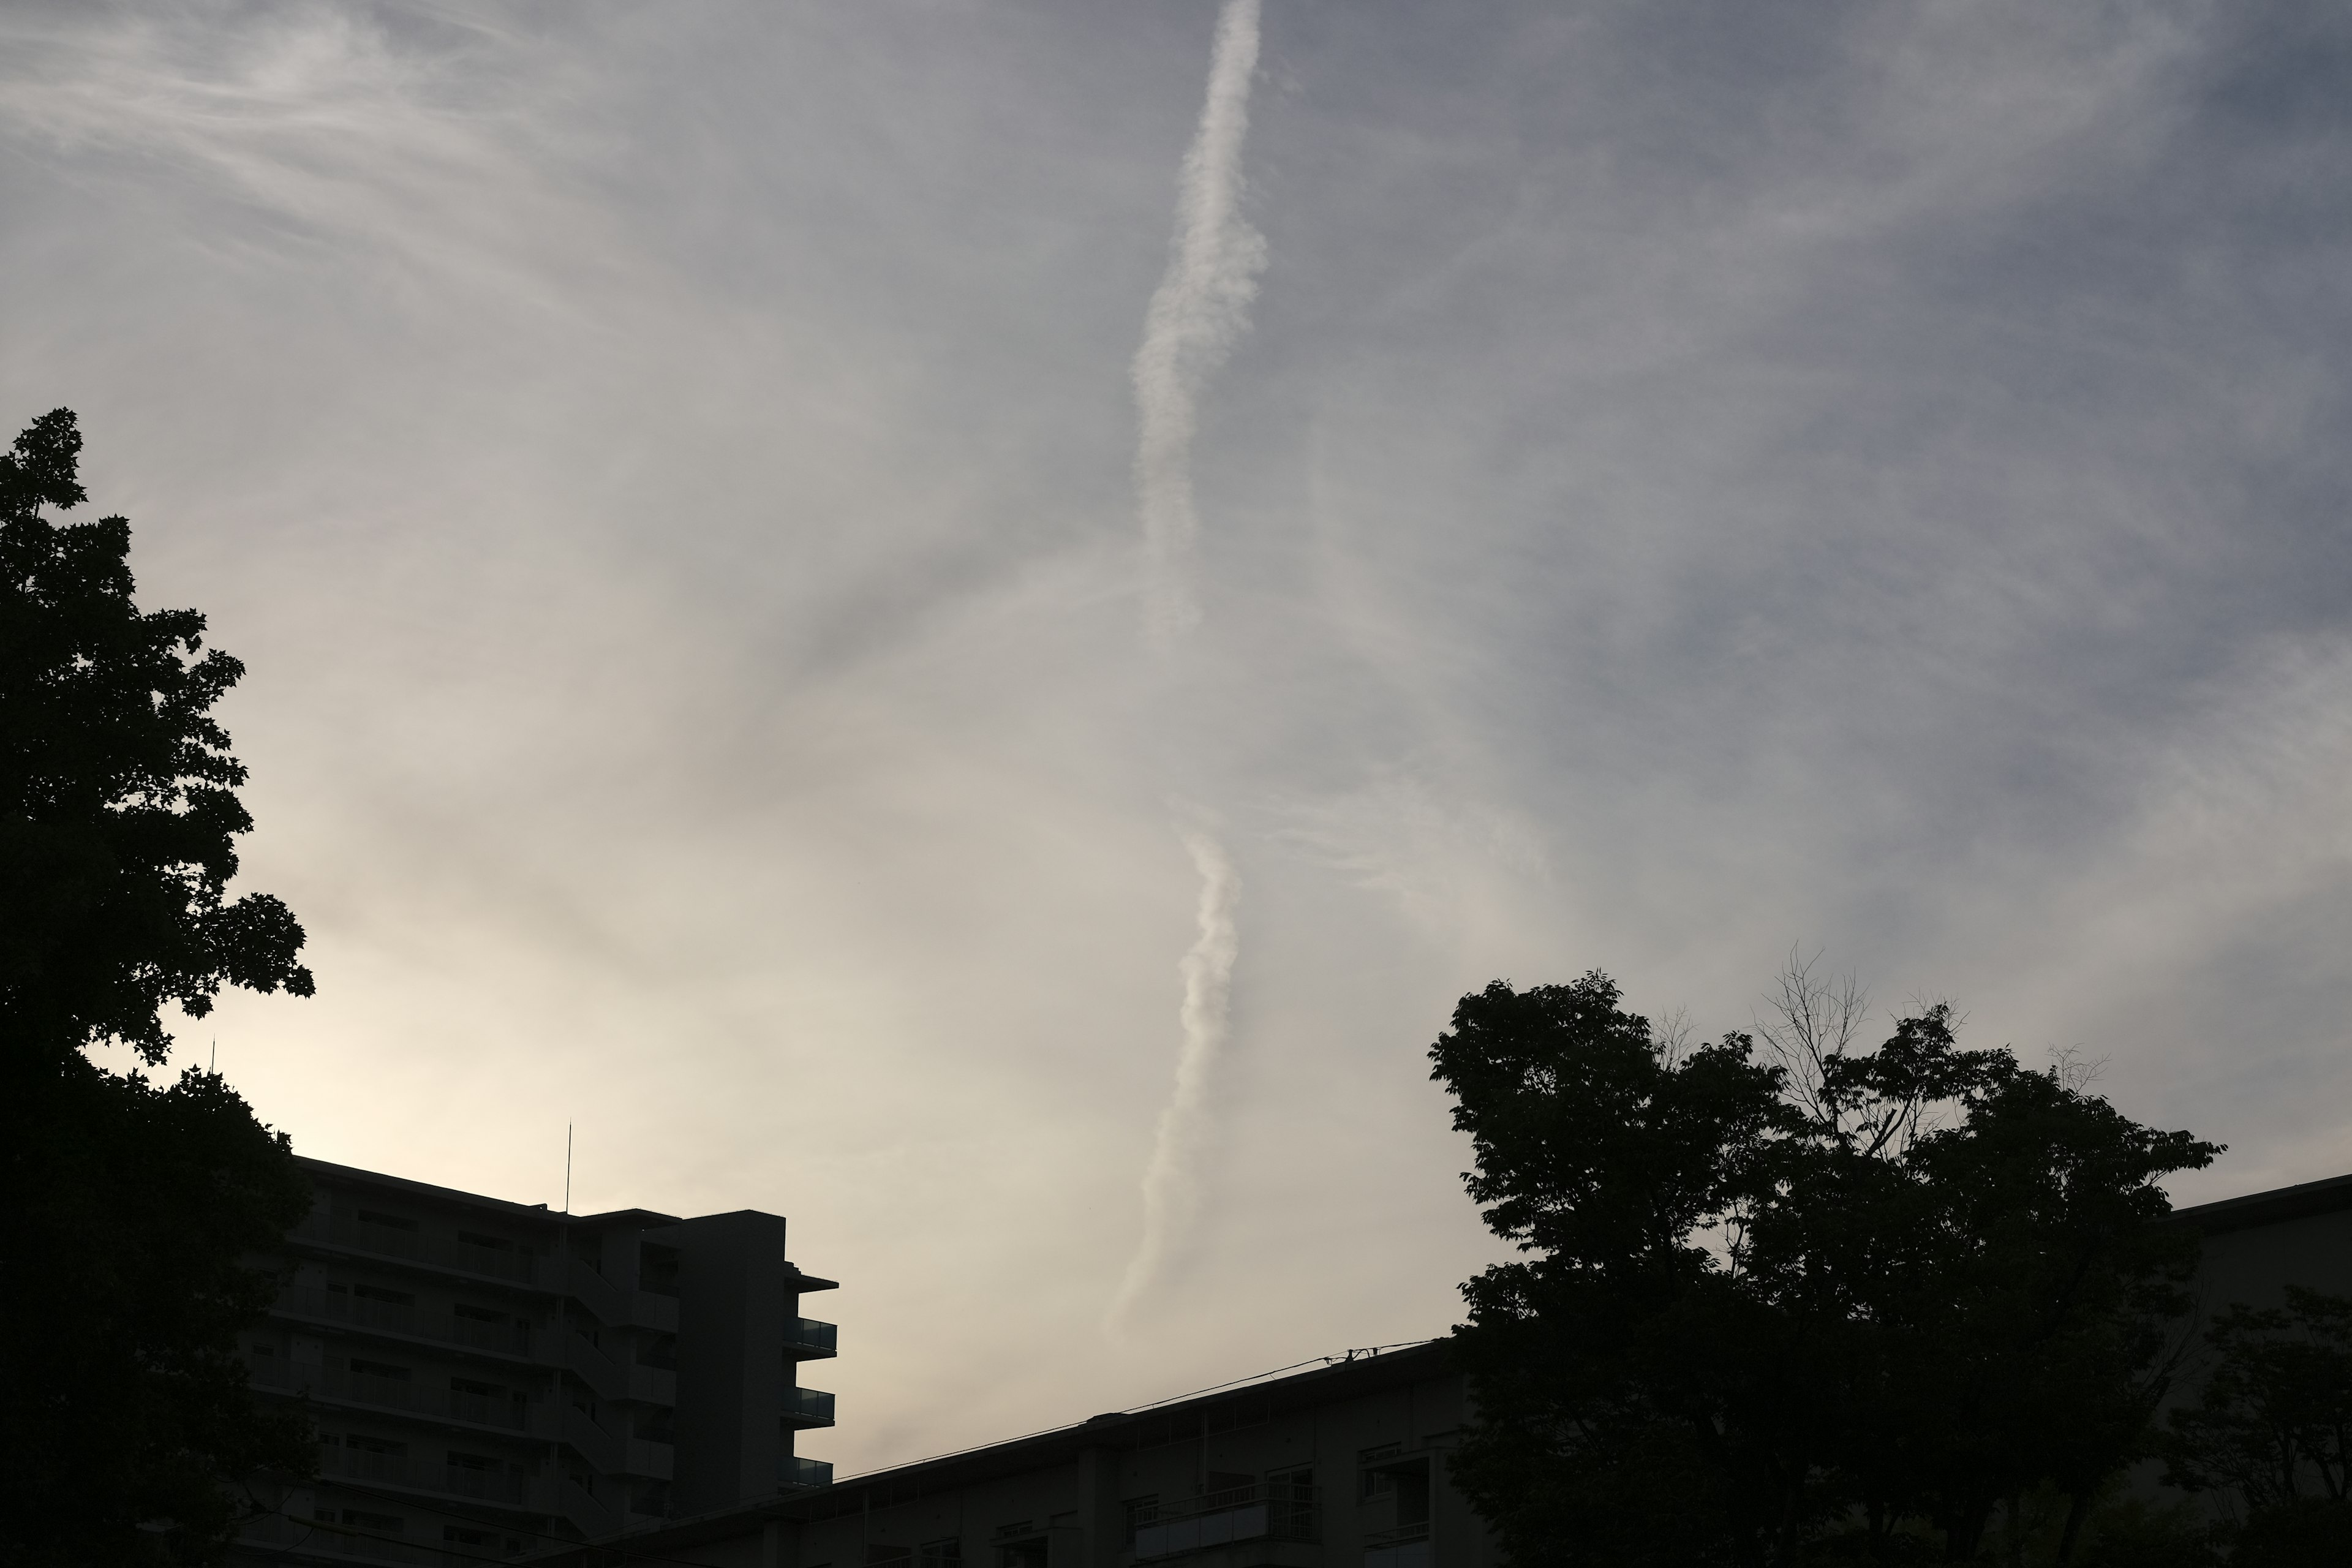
{"x": 486, "y": 1377}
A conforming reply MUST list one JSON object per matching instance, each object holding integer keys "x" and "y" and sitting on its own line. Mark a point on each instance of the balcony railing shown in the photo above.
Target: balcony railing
{"x": 282, "y": 1536}
{"x": 791, "y": 1470}
{"x": 403, "y": 1318}
{"x": 507, "y": 1337}
{"x": 502, "y": 1486}
{"x": 516, "y": 1264}
{"x": 808, "y": 1407}
{"x": 1259, "y": 1511}
{"x": 1396, "y": 1533}
{"x": 360, "y": 1465}
{"x": 805, "y": 1339}
{"x": 341, "y": 1387}
{"x": 490, "y": 1486}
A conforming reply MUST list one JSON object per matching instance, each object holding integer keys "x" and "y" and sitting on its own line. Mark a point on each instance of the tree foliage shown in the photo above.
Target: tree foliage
{"x": 125, "y": 1421}
{"x": 1797, "y": 1301}
{"x": 127, "y": 1429}
{"x": 2271, "y": 1430}
{"x": 117, "y": 844}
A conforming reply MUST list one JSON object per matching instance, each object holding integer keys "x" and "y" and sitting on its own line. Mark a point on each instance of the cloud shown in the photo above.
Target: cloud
{"x": 1701, "y": 481}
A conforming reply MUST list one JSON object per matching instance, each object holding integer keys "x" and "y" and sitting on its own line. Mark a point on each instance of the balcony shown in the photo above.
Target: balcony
{"x": 488, "y": 1486}
{"x": 283, "y": 1537}
{"x": 339, "y": 1387}
{"x": 791, "y": 1470}
{"x": 344, "y": 1233}
{"x": 600, "y": 1449}
{"x": 805, "y": 1339}
{"x": 647, "y": 1457}
{"x": 359, "y": 1465}
{"x": 1269, "y": 1510}
{"x": 808, "y": 1407}
{"x": 402, "y": 1320}
{"x": 500, "y": 1485}
{"x": 653, "y": 1384}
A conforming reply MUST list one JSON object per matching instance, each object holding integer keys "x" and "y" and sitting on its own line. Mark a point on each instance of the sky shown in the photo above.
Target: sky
{"x": 833, "y": 594}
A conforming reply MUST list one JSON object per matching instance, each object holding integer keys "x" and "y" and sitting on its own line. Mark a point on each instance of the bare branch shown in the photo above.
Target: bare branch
{"x": 1673, "y": 1038}
{"x": 1815, "y": 1020}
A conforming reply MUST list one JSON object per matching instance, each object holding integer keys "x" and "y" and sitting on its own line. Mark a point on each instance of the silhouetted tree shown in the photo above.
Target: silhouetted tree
{"x": 1800, "y": 1301}
{"x": 2271, "y": 1431}
{"x": 125, "y": 1421}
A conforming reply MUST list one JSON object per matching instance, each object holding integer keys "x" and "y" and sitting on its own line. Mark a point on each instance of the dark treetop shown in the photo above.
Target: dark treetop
{"x": 117, "y": 817}
{"x": 1801, "y": 1302}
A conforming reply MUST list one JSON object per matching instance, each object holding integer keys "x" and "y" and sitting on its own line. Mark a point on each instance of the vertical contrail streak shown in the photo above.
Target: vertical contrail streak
{"x": 1170, "y": 1183}
{"x": 1199, "y": 310}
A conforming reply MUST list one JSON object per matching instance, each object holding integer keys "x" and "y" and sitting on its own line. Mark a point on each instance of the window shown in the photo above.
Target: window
{"x": 1236, "y": 1414}
{"x": 1141, "y": 1510}
{"x": 1294, "y": 1485}
{"x": 478, "y": 1314}
{"x": 367, "y": 1444}
{"x": 479, "y": 1463}
{"x": 389, "y": 1221}
{"x": 379, "y": 1293}
{"x": 1019, "y": 1545}
{"x": 383, "y": 1369}
{"x": 470, "y": 1385}
{"x": 382, "y": 1523}
{"x": 459, "y": 1537}
{"x": 947, "y": 1552}
{"x": 1402, "y": 1482}
{"x": 658, "y": 1269}
{"x": 495, "y": 1243}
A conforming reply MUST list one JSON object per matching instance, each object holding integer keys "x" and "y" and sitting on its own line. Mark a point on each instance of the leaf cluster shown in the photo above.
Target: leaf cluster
{"x": 118, "y": 804}
{"x": 1855, "y": 1300}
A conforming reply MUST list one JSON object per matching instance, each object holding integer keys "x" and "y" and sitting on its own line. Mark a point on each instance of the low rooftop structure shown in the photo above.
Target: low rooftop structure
{"x": 1342, "y": 1464}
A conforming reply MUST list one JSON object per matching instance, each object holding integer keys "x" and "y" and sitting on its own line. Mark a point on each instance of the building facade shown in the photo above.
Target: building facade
{"x": 487, "y": 1379}
{"x": 1342, "y": 1466}
{"x": 2253, "y": 1247}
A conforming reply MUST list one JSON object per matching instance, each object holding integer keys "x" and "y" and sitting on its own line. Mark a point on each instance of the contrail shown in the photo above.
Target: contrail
{"x": 1170, "y": 1183}
{"x": 1201, "y": 307}
{"x": 1199, "y": 310}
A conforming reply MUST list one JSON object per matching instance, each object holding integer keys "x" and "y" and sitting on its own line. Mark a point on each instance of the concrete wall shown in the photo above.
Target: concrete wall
{"x": 734, "y": 1298}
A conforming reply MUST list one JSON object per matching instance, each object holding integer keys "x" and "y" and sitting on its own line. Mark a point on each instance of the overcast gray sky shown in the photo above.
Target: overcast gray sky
{"x": 1697, "y": 478}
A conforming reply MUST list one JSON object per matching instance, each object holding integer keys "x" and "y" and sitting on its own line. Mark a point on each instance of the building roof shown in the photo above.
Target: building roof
{"x": 2279, "y": 1204}
{"x": 427, "y": 1193}
{"x": 1356, "y": 1372}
